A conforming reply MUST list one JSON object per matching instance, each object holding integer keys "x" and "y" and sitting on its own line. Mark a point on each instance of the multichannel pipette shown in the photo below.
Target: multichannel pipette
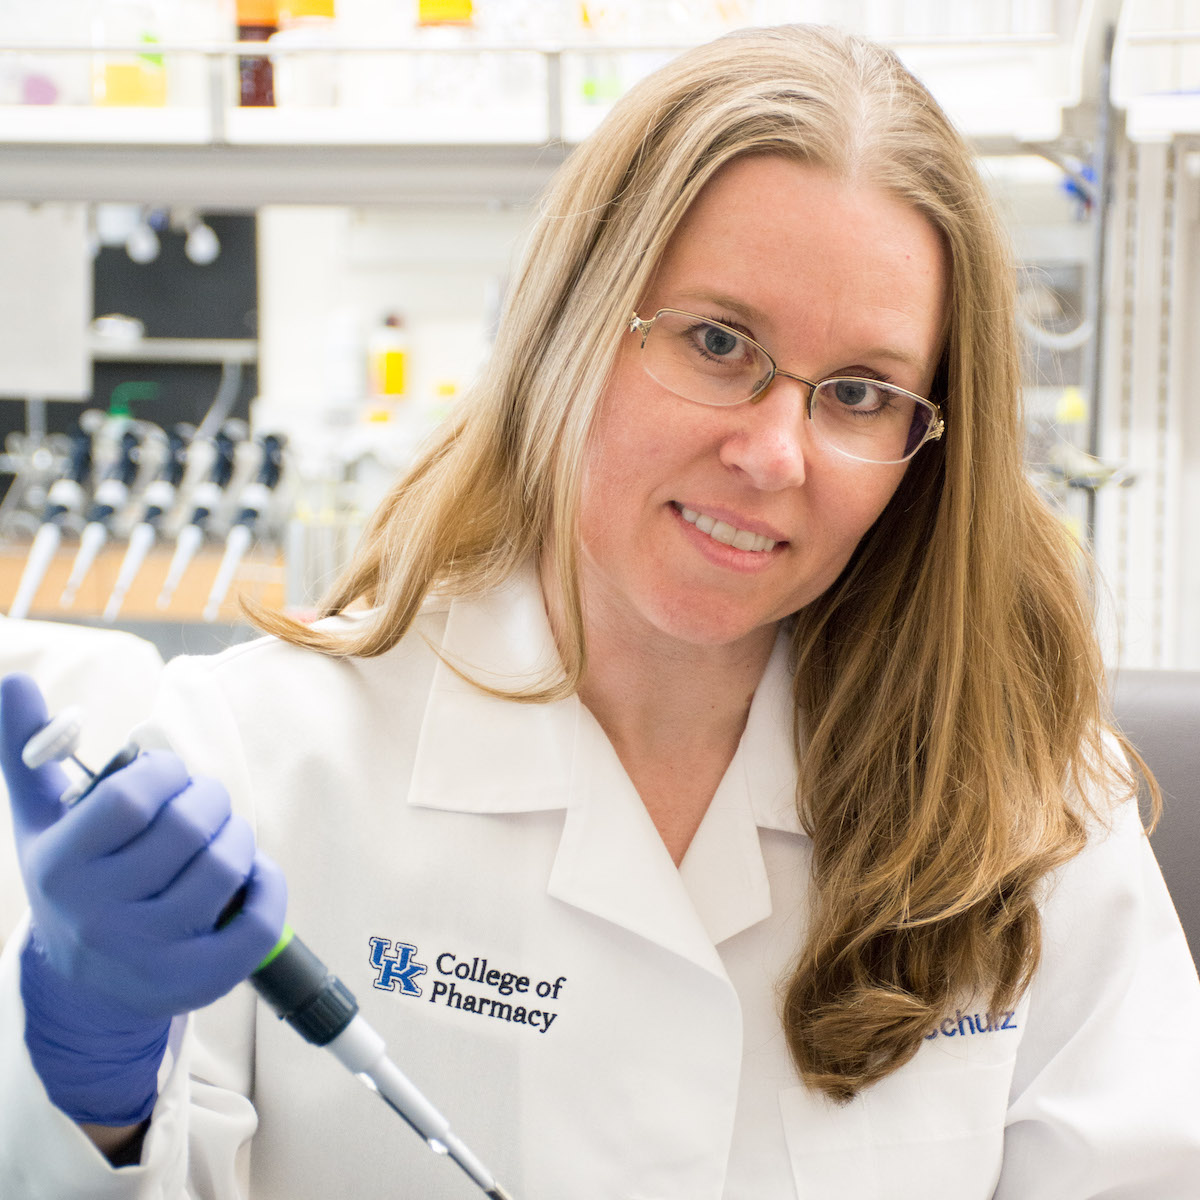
{"x": 297, "y": 985}
{"x": 251, "y": 504}
{"x": 158, "y": 500}
{"x": 111, "y": 494}
{"x": 206, "y": 498}
{"x": 65, "y": 498}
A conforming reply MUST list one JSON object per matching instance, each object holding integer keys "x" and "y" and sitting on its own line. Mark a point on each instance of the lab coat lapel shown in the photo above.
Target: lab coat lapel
{"x": 612, "y": 863}
{"x": 723, "y": 869}
{"x": 481, "y": 753}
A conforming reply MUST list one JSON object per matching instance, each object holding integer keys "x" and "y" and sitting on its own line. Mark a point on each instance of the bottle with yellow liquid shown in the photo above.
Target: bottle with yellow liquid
{"x": 387, "y": 360}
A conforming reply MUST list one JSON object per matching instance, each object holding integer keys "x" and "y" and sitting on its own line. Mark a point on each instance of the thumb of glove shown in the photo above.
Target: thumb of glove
{"x": 33, "y": 794}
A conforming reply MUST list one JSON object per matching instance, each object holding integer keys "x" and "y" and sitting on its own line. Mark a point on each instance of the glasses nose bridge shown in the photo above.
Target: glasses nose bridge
{"x": 776, "y": 372}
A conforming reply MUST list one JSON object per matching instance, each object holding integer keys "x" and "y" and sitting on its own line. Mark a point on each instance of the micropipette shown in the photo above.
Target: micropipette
{"x": 160, "y": 496}
{"x": 296, "y": 984}
{"x": 206, "y": 498}
{"x": 111, "y": 493}
{"x": 64, "y": 499}
{"x": 252, "y": 503}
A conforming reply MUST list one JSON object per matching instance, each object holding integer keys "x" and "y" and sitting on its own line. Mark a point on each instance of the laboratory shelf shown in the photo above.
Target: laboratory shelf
{"x": 230, "y": 177}
{"x": 495, "y": 138}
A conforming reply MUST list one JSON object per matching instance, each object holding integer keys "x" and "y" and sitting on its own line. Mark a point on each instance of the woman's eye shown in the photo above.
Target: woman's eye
{"x": 856, "y": 393}
{"x": 720, "y": 343}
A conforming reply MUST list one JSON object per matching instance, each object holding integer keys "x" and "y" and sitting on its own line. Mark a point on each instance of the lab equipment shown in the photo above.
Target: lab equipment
{"x": 65, "y": 499}
{"x": 206, "y": 498}
{"x": 252, "y": 503}
{"x": 291, "y": 979}
{"x": 159, "y": 499}
{"x": 111, "y": 495}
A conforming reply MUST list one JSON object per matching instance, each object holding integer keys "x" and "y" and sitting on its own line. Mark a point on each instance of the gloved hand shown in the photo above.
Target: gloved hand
{"x": 125, "y": 890}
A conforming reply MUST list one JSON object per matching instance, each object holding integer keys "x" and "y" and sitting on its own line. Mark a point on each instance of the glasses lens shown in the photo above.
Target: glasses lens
{"x": 702, "y": 360}
{"x": 869, "y": 420}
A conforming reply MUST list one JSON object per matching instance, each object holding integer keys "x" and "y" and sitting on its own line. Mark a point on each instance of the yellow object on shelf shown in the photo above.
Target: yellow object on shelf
{"x": 445, "y": 12}
{"x": 387, "y": 359}
{"x": 140, "y": 83}
{"x": 295, "y": 10}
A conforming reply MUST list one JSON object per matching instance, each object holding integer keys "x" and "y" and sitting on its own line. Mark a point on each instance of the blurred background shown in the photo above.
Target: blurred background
{"x": 253, "y": 252}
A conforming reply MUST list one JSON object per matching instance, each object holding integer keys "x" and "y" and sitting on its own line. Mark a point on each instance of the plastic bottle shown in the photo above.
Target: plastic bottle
{"x": 257, "y": 21}
{"x": 387, "y": 360}
{"x": 306, "y": 79}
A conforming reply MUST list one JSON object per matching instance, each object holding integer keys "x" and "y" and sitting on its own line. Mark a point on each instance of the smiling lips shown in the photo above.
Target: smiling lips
{"x": 720, "y": 531}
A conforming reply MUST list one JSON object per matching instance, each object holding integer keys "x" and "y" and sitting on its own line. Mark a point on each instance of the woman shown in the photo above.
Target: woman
{"x": 703, "y": 775}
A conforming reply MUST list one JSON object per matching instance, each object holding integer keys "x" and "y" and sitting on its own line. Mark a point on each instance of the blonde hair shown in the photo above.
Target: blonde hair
{"x": 949, "y": 690}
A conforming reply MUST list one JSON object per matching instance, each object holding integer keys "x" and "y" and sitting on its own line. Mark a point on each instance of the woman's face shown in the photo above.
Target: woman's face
{"x": 833, "y": 278}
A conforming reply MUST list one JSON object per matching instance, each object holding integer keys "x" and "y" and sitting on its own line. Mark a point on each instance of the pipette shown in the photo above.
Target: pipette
{"x": 295, "y": 983}
{"x": 111, "y": 494}
{"x": 64, "y": 499}
{"x": 159, "y": 498}
{"x": 252, "y": 503}
{"x": 205, "y": 499}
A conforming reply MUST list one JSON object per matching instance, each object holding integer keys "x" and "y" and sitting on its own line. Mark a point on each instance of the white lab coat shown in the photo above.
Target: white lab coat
{"x": 642, "y": 1057}
{"x": 110, "y": 674}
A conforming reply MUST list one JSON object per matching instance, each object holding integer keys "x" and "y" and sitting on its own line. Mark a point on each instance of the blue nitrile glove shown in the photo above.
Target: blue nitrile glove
{"x": 126, "y": 889}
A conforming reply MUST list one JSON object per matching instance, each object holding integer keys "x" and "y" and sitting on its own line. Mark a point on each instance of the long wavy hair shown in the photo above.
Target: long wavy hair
{"x": 950, "y": 711}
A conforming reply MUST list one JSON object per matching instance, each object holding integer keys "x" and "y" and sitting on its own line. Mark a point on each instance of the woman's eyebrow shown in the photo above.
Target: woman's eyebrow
{"x": 741, "y": 307}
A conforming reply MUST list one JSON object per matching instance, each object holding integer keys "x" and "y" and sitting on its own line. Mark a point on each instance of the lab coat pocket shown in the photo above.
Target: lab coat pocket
{"x": 933, "y": 1128}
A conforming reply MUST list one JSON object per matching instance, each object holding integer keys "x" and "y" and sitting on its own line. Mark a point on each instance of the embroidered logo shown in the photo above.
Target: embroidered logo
{"x": 400, "y": 970}
{"x": 501, "y": 995}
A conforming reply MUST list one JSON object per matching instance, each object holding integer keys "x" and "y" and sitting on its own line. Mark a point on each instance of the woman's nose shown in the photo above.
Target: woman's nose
{"x": 771, "y": 439}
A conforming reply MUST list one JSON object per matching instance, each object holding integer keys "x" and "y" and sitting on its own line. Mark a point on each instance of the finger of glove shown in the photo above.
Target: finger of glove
{"x": 121, "y": 807}
{"x": 216, "y": 961}
{"x": 182, "y": 828}
{"x": 193, "y": 901}
{"x": 34, "y": 794}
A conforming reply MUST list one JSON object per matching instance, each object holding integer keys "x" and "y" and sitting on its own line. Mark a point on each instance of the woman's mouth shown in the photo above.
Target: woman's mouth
{"x": 726, "y": 534}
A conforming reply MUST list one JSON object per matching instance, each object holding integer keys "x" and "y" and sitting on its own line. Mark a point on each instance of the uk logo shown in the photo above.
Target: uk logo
{"x": 396, "y": 970}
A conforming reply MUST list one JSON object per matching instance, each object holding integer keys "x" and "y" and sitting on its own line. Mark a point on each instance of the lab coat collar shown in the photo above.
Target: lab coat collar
{"x": 483, "y": 754}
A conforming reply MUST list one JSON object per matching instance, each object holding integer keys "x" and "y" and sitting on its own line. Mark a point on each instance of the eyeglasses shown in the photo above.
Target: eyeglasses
{"x": 709, "y": 363}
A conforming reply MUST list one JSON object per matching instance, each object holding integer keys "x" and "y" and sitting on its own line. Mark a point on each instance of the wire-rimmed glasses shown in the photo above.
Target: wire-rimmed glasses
{"x": 707, "y": 362}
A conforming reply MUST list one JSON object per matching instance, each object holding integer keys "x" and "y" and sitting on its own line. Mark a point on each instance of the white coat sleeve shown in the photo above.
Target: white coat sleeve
{"x": 197, "y": 1144}
{"x": 1106, "y": 1094}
